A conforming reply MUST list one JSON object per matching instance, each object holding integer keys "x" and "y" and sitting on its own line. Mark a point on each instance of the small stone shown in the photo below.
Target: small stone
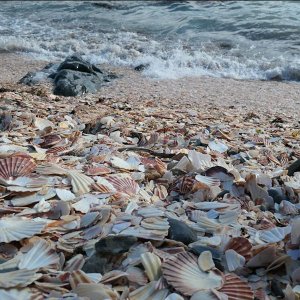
{"x": 181, "y": 232}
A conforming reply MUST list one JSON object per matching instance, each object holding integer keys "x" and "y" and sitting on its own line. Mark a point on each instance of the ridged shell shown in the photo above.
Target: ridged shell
{"x": 174, "y": 296}
{"x": 77, "y": 277}
{"x": 236, "y": 289}
{"x": 65, "y": 195}
{"x": 183, "y": 273}
{"x": 50, "y": 140}
{"x": 199, "y": 160}
{"x": 42, "y": 124}
{"x": 40, "y": 255}
{"x": 152, "y": 265}
{"x": 81, "y": 183}
{"x": 263, "y": 258}
{"x": 240, "y": 245}
{"x": 15, "y": 294}
{"x": 93, "y": 171}
{"x": 209, "y": 181}
{"x": 13, "y": 167}
{"x": 95, "y": 291}
{"x": 124, "y": 185}
{"x": 274, "y": 235}
{"x": 19, "y": 278}
{"x": 209, "y": 225}
{"x": 148, "y": 292}
{"x": 155, "y": 223}
{"x": 16, "y": 229}
{"x": 234, "y": 260}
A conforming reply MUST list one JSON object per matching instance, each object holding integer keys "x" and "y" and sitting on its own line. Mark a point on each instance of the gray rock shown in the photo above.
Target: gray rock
{"x": 115, "y": 244}
{"x": 97, "y": 264}
{"x": 181, "y": 232}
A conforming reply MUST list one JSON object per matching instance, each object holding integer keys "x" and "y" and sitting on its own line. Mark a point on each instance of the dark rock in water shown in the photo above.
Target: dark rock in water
{"x": 115, "y": 244}
{"x": 141, "y": 67}
{"x": 73, "y": 77}
{"x": 181, "y": 232}
{"x": 294, "y": 167}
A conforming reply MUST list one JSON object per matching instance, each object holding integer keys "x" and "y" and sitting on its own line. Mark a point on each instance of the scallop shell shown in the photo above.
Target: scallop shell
{"x": 43, "y": 124}
{"x": 95, "y": 291}
{"x": 149, "y": 291}
{"x": 200, "y": 161}
{"x": 152, "y": 265}
{"x": 19, "y": 278}
{"x": 210, "y": 205}
{"x": 78, "y": 277}
{"x": 40, "y": 255}
{"x": 183, "y": 273}
{"x": 124, "y": 185}
{"x": 16, "y": 294}
{"x": 208, "y": 225}
{"x": 240, "y": 245}
{"x": 132, "y": 164}
{"x": 236, "y": 289}
{"x": 205, "y": 261}
{"x": 263, "y": 258}
{"x": 208, "y": 181}
{"x": 93, "y": 171}
{"x": 217, "y": 146}
{"x": 205, "y": 295}
{"x": 16, "y": 229}
{"x": 13, "y": 167}
{"x": 81, "y": 183}
{"x": 155, "y": 223}
{"x": 274, "y": 235}
{"x": 234, "y": 260}
{"x": 174, "y": 296}
{"x": 50, "y": 140}
{"x": 288, "y": 208}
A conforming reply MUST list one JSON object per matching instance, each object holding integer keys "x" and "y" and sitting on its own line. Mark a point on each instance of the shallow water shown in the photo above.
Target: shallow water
{"x": 238, "y": 39}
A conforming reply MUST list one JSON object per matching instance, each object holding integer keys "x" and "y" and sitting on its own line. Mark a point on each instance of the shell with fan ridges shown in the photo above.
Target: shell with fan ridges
{"x": 13, "y": 167}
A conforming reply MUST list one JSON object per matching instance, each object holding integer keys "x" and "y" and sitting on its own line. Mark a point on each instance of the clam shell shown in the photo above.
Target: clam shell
{"x": 234, "y": 260}
{"x": 274, "y": 235}
{"x": 13, "y": 167}
{"x": 40, "y": 255}
{"x": 236, "y": 289}
{"x": 81, "y": 183}
{"x": 16, "y": 229}
{"x": 19, "y": 278}
{"x": 240, "y": 245}
{"x": 183, "y": 273}
{"x": 205, "y": 261}
{"x": 152, "y": 265}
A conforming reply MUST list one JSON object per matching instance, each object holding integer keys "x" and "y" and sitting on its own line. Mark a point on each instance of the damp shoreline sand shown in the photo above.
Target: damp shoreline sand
{"x": 197, "y": 92}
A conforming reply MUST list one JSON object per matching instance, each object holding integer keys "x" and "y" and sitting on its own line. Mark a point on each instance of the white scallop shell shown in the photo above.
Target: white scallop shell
{"x": 152, "y": 265}
{"x": 274, "y": 235}
{"x": 208, "y": 225}
{"x": 155, "y": 223}
{"x": 19, "y": 278}
{"x": 95, "y": 291}
{"x": 16, "y": 229}
{"x": 217, "y": 146}
{"x": 81, "y": 183}
{"x": 209, "y": 181}
{"x": 199, "y": 160}
{"x": 42, "y": 124}
{"x": 15, "y": 294}
{"x": 40, "y": 255}
{"x": 149, "y": 291}
{"x": 234, "y": 260}
{"x": 183, "y": 273}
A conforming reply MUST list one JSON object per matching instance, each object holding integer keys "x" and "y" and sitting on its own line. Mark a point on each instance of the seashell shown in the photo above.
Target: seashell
{"x": 86, "y": 203}
{"x": 16, "y": 229}
{"x": 136, "y": 275}
{"x": 278, "y": 262}
{"x": 148, "y": 212}
{"x": 263, "y": 258}
{"x": 274, "y": 235}
{"x": 208, "y": 181}
{"x": 161, "y": 192}
{"x": 200, "y": 161}
{"x": 149, "y": 291}
{"x": 155, "y": 223}
{"x": 65, "y": 195}
{"x": 184, "y": 185}
{"x": 152, "y": 265}
{"x": 74, "y": 263}
{"x": 40, "y": 255}
{"x": 13, "y": 167}
{"x": 51, "y": 169}
{"x": 241, "y": 246}
{"x": 207, "y": 295}
{"x": 183, "y": 273}
{"x": 295, "y": 232}
{"x": 184, "y": 165}
{"x": 234, "y": 260}
{"x": 205, "y": 261}
{"x": 94, "y": 171}
{"x": 229, "y": 217}
{"x": 95, "y": 291}
{"x": 236, "y": 289}
{"x": 77, "y": 277}
{"x": 112, "y": 276}
{"x": 210, "y": 205}
{"x": 81, "y": 183}
{"x": 124, "y": 185}
{"x": 16, "y": 294}
{"x": 19, "y": 278}
{"x": 50, "y": 140}
{"x": 174, "y": 296}
{"x": 208, "y": 225}
{"x": 217, "y": 146}
{"x": 43, "y": 124}
{"x": 288, "y": 208}
{"x": 196, "y": 214}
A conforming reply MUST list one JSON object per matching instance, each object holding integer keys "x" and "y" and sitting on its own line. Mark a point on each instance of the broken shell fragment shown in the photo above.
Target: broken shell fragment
{"x": 205, "y": 261}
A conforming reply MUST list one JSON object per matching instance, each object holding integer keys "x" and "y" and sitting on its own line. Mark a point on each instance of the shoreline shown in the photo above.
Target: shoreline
{"x": 206, "y": 91}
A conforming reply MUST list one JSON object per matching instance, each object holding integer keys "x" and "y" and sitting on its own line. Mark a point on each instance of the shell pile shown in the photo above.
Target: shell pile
{"x": 106, "y": 200}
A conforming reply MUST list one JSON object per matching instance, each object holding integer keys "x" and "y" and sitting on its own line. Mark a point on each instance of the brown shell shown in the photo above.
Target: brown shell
{"x": 13, "y": 167}
{"x": 240, "y": 245}
{"x": 124, "y": 185}
{"x": 101, "y": 188}
{"x": 59, "y": 150}
{"x": 78, "y": 277}
{"x": 50, "y": 140}
{"x": 183, "y": 185}
{"x": 94, "y": 171}
{"x": 236, "y": 289}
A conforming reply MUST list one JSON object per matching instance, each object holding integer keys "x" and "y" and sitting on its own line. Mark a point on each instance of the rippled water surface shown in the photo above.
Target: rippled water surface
{"x": 239, "y": 39}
